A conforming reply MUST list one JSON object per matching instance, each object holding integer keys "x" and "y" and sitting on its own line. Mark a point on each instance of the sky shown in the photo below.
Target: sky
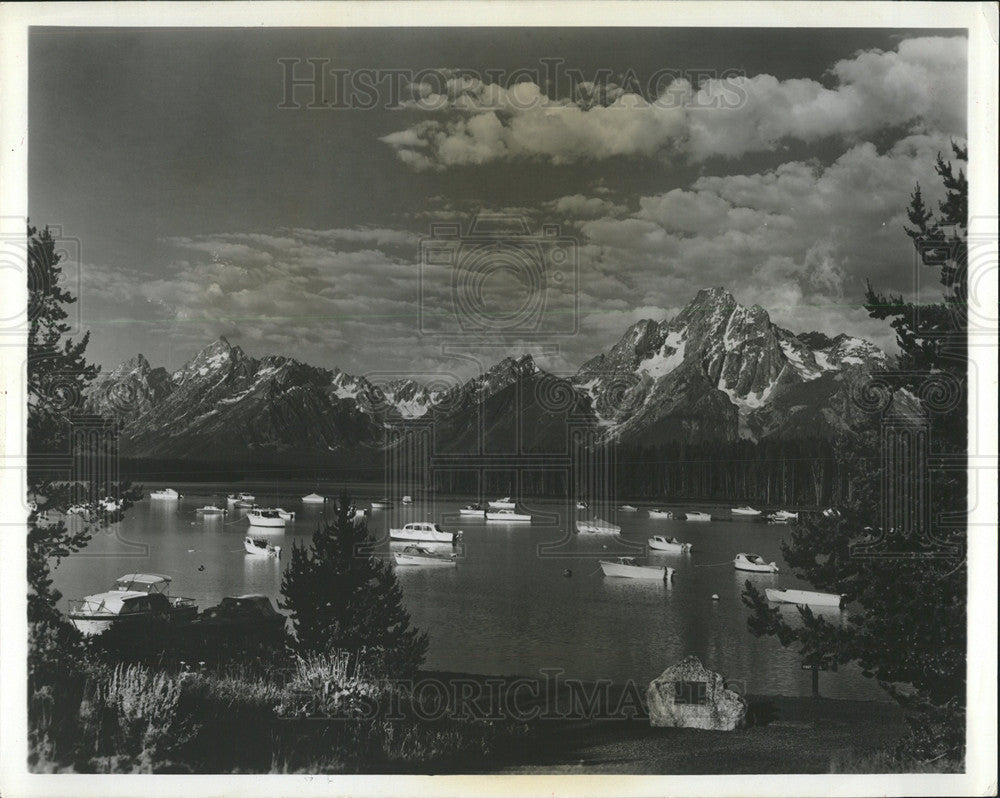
{"x": 613, "y": 173}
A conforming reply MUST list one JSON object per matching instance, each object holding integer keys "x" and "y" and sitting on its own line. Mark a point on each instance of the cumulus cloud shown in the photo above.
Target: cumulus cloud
{"x": 919, "y": 86}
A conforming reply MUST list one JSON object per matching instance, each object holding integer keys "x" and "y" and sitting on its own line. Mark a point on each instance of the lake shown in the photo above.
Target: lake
{"x": 506, "y": 608}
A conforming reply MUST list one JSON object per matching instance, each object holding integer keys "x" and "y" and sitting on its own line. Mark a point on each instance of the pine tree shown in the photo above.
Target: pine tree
{"x": 343, "y": 598}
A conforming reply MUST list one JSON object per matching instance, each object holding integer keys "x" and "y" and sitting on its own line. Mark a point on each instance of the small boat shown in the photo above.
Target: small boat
{"x": 313, "y": 498}
{"x": 135, "y": 597}
{"x": 697, "y": 516}
{"x": 657, "y": 513}
{"x": 380, "y": 504}
{"x": 506, "y": 515}
{"x": 234, "y": 498}
{"x": 407, "y": 500}
{"x": 419, "y": 555}
{"x": 181, "y": 608}
{"x": 260, "y": 547}
{"x": 746, "y": 510}
{"x": 783, "y": 516}
{"x": 211, "y": 509}
{"x": 598, "y": 526}
{"x": 424, "y": 531}
{"x": 627, "y": 567}
{"x": 628, "y": 508}
{"x": 288, "y": 515}
{"x": 581, "y": 505}
{"x": 266, "y": 517}
{"x": 473, "y": 509}
{"x": 785, "y": 595}
{"x": 167, "y": 494}
{"x": 755, "y": 563}
{"x": 503, "y": 504}
{"x": 660, "y": 543}
{"x": 831, "y": 512}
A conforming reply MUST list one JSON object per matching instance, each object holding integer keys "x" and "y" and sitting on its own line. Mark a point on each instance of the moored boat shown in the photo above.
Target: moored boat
{"x": 628, "y": 568}
{"x": 581, "y": 505}
{"x": 506, "y": 515}
{"x": 598, "y": 526}
{"x": 211, "y": 509}
{"x": 784, "y": 515}
{"x": 672, "y": 545}
{"x": 628, "y": 508}
{"x": 473, "y": 509}
{"x": 422, "y": 531}
{"x": 166, "y": 494}
{"x": 786, "y": 595}
{"x": 754, "y": 563}
{"x": 181, "y": 608}
{"x": 134, "y": 598}
{"x": 380, "y": 504}
{"x": 419, "y": 555}
{"x": 266, "y": 517}
{"x": 657, "y": 513}
{"x": 503, "y": 504}
{"x": 407, "y": 500}
{"x": 260, "y": 547}
{"x": 313, "y": 498}
{"x": 697, "y": 516}
{"x": 746, "y": 510}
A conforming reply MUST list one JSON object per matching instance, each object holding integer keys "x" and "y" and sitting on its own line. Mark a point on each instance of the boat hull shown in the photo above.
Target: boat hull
{"x": 653, "y": 572}
{"x": 406, "y": 560}
{"x": 660, "y": 514}
{"x": 669, "y": 548}
{"x": 508, "y": 517}
{"x": 476, "y": 513}
{"x": 266, "y": 523}
{"x": 420, "y": 536}
{"x": 808, "y": 597}
{"x": 258, "y": 551}
{"x": 312, "y": 500}
{"x": 745, "y": 512}
{"x": 702, "y": 517}
{"x": 502, "y": 505}
{"x": 590, "y": 528}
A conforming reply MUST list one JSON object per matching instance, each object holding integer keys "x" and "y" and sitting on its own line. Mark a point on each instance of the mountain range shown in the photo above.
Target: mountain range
{"x": 716, "y": 371}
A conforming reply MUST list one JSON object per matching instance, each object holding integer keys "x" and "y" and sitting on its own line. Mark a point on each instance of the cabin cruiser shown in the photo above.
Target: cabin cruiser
{"x": 745, "y": 511}
{"x": 503, "y": 504}
{"x": 134, "y": 597}
{"x": 782, "y": 517}
{"x": 473, "y": 509}
{"x": 506, "y": 515}
{"x": 420, "y": 555}
{"x": 260, "y": 547}
{"x": 211, "y": 509}
{"x": 424, "y": 531}
{"x": 698, "y": 517}
{"x": 628, "y": 568}
{"x": 241, "y": 499}
{"x": 754, "y": 563}
{"x": 657, "y": 513}
{"x": 672, "y": 545}
{"x": 167, "y": 494}
{"x": 266, "y": 517}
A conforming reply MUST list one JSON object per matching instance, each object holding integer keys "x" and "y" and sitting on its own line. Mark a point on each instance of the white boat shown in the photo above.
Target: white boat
{"x": 313, "y": 498}
{"x": 660, "y": 543}
{"x": 581, "y": 505}
{"x": 211, "y": 509}
{"x": 630, "y": 569}
{"x": 628, "y": 508}
{"x": 598, "y": 526}
{"x": 473, "y": 509}
{"x": 418, "y": 555}
{"x": 134, "y": 597}
{"x": 755, "y": 563}
{"x": 506, "y": 515}
{"x": 180, "y": 607}
{"x": 746, "y": 510}
{"x": 424, "y": 531}
{"x": 656, "y": 513}
{"x": 831, "y": 512}
{"x": 265, "y": 517}
{"x": 784, "y": 515}
{"x": 786, "y": 595}
{"x": 380, "y": 504}
{"x": 697, "y": 516}
{"x": 407, "y": 500}
{"x": 167, "y": 494}
{"x": 232, "y": 498}
{"x": 260, "y": 547}
{"x": 288, "y": 515}
{"x": 503, "y": 504}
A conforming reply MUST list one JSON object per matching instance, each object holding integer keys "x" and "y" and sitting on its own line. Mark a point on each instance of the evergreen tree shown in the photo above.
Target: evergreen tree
{"x": 343, "y": 598}
{"x": 907, "y": 625}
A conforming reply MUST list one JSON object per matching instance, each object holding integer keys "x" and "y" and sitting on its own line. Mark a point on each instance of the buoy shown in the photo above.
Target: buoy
{"x": 567, "y": 572}
{"x": 715, "y": 597}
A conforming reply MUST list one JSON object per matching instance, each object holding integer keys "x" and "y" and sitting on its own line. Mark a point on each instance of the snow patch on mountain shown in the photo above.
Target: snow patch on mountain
{"x": 669, "y": 357}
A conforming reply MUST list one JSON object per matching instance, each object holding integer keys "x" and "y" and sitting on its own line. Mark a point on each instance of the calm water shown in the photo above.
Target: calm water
{"x": 506, "y": 609}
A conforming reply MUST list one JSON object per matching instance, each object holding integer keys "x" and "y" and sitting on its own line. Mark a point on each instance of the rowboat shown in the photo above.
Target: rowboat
{"x": 506, "y": 515}
{"x": 473, "y": 509}
{"x": 660, "y": 514}
{"x": 503, "y": 504}
{"x": 424, "y": 531}
{"x": 628, "y": 568}
{"x": 786, "y": 595}
{"x": 755, "y": 563}
{"x": 266, "y": 517}
{"x": 745, "y": 510}
{"x": 313, "y": 498}
{"x": 598, "y": 526}
{"x": 697, "y": 516}
{"x": 418, "y": 555}
{"x": 628, "y": 508}
{"x": 167, "y": 494}
{"x": 672, "y": 545}
{"x": 211, "y": 509}
{"x": 260, "y": 547}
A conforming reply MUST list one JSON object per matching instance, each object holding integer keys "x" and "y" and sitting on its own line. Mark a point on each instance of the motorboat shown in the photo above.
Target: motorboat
{"x": 581, "y": 505}
{"x": 181, "y": 608}
{"x": 785, "y": 516}
{"x": 313, "y": 498}
{"x": 238, "y": 498}
{"x": 831, "y": 512}
{"x": 503, "y": 504}
{"x": 628, "y": 508}
{"x": 786, "y": 595}
{"x": 598, "y": 526}
{"x": 473, "y": 509}
{"x": 211, "y": 509}
{"x": 628, "y": 568}
{"x": 419, "y": 555}
{"x": 135, "y": 597}
{"x": 745, "y": 511}
{"x": 167, "y": 494}
{"x": 407, "y": 500}
{"x": 380, "y": 504}
{"x": 288, "y": 515}
{"x": 506, "y": 515}
{"x": 672, "y": 545}
{"x": 697, "y": 516}
{"x": 424, "y": 531}
{"x": 754, "y": 563}
{"x": 266, "y": 517}
{"x": 657, "y": 513}
{"x": 261, "y": 547}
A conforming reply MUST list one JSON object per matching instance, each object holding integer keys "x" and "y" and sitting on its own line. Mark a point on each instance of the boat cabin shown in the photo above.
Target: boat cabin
{"x": 423, "y": 526}
{"x": 144, "y": 583}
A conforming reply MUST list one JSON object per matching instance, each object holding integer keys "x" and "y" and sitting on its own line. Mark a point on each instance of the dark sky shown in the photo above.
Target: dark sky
{"x": 203, "y": 208}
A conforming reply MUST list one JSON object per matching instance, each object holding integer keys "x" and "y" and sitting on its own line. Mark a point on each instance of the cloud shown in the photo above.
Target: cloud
{"x": 919, "y": 86}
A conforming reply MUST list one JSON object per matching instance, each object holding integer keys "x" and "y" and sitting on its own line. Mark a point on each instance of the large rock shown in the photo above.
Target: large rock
{"x": 689, "y": 695}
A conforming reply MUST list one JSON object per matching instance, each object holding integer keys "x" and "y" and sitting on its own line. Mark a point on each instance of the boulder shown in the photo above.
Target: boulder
{"x": 689, "y": 695}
